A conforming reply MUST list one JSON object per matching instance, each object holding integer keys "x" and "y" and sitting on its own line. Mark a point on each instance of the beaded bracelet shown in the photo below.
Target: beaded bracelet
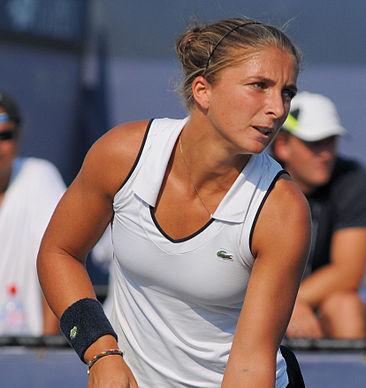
{"x": 109, "y": 352}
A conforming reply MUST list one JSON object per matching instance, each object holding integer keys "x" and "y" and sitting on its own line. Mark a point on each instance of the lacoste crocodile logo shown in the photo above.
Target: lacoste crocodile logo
{"x": 73, "y": 332}
{"x": 224, "y": 255}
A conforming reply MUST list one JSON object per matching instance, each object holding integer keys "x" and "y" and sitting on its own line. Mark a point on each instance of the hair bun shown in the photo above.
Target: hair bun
{"x": 186, "y": 41}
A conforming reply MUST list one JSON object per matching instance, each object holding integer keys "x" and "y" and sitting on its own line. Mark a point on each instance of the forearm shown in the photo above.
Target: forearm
{"x": 252, "y": 360}
{"x": 64, "y": 280}
{"x": 250, "y": 371}
{"x": 325, "y": 281}
{"x": 50, "y": 321}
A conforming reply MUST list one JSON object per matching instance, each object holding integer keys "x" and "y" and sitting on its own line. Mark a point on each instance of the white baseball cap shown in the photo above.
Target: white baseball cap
{"x": 313, "y": 117}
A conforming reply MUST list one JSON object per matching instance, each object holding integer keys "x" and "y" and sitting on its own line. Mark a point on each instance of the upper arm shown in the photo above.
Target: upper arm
{"x": 280, "y": 245}
{"x": 348, "y": 244}
{"x": 87, "y": 206}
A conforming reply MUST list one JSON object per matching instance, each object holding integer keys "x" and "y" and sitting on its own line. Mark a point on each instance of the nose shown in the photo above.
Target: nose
{"x": 276, "y": 106}
{"x": 327, "y": 153}
{"x": 326, "y": 148}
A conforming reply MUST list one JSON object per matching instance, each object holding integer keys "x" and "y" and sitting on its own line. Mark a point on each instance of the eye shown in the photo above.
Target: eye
{"x": 258, "y": 85}
{"x": 289, "y": 94}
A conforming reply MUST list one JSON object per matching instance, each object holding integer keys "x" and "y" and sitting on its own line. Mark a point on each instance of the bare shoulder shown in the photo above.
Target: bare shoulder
{"x": 284, "y": 218}
{"x": 111, "y": 157}
{"x": 287, "y": 201}
{"x": 121, "y": 142}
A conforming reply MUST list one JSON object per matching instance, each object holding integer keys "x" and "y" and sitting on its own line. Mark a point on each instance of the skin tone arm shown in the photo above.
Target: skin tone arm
{"x": 343, "y": 274}
{"x": 79, "y": 220}
{"x": 50, "y": 321}
{"x": 280, "y": 245}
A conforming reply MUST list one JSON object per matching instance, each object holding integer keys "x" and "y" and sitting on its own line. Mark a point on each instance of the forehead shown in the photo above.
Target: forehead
{"x": 325, "y": 142}
{"x": 265, "y": 61}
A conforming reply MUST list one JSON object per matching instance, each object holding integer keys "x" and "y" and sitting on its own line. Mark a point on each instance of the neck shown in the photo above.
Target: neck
{"x": 209, "y": 159}
{"x": 307, "y": 190}
{"x": 204, "y": 164}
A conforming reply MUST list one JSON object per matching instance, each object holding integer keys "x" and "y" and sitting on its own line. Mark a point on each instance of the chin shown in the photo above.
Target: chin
{"x": 256, "y": 147}
{"x": 258, "y": 150}
{"x": 252, "y": 151}
{"x": 321, "y": 181}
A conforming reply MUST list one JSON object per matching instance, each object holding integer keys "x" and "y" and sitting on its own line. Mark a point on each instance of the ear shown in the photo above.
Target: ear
{"x": 201, "y": 91}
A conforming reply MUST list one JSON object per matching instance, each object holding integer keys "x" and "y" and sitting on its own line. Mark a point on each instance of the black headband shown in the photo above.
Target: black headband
{"x": 224, "y": 36}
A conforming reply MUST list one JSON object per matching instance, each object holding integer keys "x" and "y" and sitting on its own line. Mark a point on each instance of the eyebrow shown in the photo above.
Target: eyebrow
{"x": 293, "y": 87}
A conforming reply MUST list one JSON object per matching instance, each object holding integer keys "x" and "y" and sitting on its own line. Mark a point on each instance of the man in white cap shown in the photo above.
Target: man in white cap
{"x": 328, "y": 303}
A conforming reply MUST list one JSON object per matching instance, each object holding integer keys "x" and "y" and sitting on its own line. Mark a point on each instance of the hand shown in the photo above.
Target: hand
{"x": 111, "y": 372}
{"x": 304, "y": 323}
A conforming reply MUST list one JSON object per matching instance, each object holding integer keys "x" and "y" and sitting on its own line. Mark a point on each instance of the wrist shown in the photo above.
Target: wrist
{"x": 104, "y": 354}
{"x": 83, "y": 323}
{"x": 100, "y": 345}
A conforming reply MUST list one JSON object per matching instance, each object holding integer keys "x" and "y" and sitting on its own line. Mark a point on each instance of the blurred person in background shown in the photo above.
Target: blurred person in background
{"x": 328, "y": 302}
{"x": 29, "y": 191}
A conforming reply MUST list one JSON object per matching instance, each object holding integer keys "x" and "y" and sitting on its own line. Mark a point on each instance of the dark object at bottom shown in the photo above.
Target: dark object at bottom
{"x": 293, "y": 368}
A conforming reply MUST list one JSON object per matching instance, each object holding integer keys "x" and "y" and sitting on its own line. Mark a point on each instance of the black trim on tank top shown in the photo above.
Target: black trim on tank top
{"x": 179, "y": 240}
{"x": 275, "y": 179}
{"x": 138, "y": 156}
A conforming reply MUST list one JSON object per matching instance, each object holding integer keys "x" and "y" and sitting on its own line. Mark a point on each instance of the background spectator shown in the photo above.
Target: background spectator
{"x": 328, "y": 303}
{"x": 29, "y": 191}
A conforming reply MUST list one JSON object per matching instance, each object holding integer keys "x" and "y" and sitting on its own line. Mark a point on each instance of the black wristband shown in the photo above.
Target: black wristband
{"x": 83, "y": 323}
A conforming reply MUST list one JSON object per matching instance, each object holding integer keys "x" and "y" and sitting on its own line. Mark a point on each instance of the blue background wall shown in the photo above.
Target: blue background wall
{"x": 143, "y": 71}
{"x": 69, "y": 97}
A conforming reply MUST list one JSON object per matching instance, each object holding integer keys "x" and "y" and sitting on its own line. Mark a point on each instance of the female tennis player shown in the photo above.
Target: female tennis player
{"x": 210, "y": 235}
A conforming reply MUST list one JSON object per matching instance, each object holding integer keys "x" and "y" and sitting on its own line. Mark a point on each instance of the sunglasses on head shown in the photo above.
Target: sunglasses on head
{"x": 7, "y": 135}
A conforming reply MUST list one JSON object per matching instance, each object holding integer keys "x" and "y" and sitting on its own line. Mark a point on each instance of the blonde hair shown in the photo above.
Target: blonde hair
{"x": 207, "y": 49}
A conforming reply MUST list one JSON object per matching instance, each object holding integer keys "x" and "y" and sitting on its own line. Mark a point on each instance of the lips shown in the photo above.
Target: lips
{"x": 264, "y": 130}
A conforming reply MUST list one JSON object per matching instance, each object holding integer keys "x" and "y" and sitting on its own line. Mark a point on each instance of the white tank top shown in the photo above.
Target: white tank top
{"x": 177, "y": 302}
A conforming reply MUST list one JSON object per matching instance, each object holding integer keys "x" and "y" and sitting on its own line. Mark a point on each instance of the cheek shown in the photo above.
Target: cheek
{"x": 298, "y": 155}
{"x": 301, "y": 163}
{"x": 8, "y": 149}
{"x": 311, "y": 171}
